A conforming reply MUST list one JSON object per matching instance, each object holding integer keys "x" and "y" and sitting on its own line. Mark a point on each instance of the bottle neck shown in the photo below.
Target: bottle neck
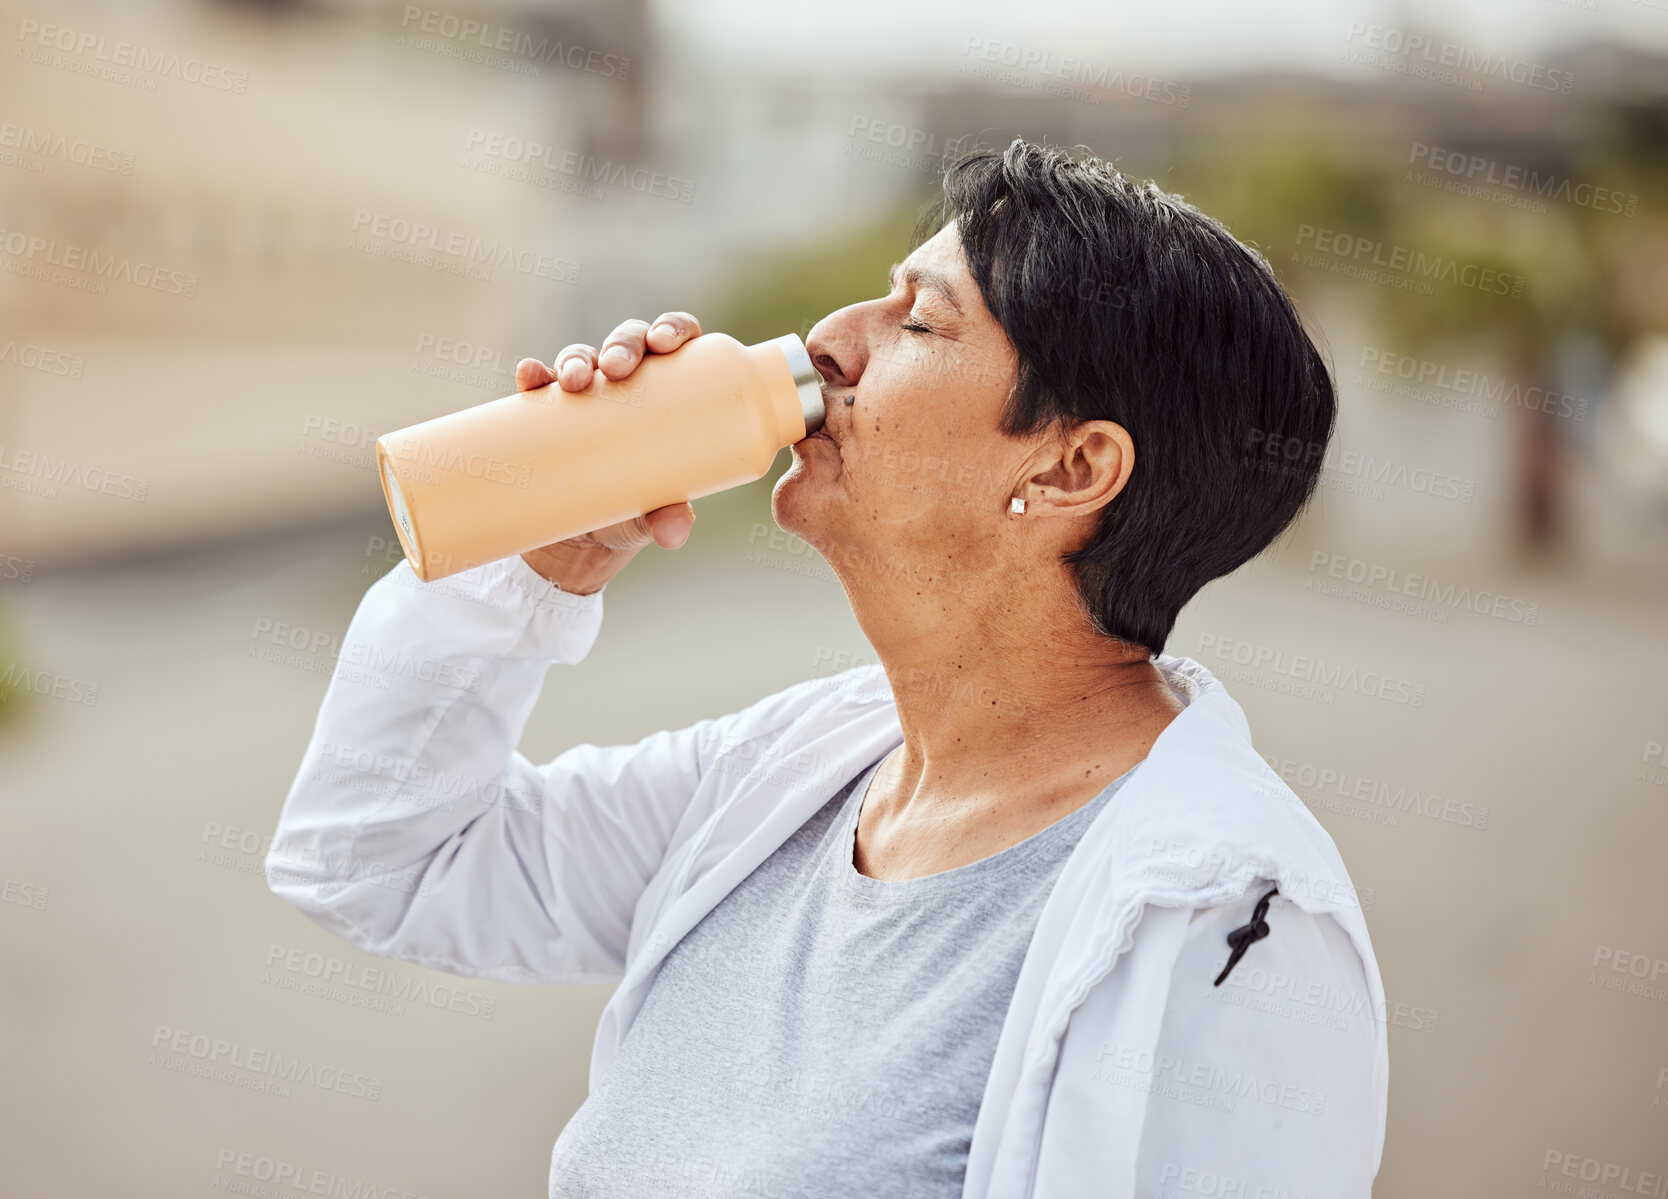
{"x": 806, "y": 381}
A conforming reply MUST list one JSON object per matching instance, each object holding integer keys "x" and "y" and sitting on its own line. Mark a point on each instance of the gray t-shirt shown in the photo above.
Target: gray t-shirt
{"x": 819, "y": 1033}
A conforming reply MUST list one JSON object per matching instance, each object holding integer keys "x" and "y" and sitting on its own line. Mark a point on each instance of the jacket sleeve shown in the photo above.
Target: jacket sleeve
{"x": 415, "y": 828}
{"x": 1267, "y": 1081}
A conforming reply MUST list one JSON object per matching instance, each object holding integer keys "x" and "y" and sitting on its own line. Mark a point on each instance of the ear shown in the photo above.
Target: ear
{"x": 1080, "y": 471}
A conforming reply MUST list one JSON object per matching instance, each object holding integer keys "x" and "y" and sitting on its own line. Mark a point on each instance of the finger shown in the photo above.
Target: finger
{"x": 670, "y": 330}
{"x": 573, "y": 366}
{"x": 627, "y": 535}
{"x": 671, "y": 525}
{"x": 622, "y": 349}
{"x": 530, "y": 374}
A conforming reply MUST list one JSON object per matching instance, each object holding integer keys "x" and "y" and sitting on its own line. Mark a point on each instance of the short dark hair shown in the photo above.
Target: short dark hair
{"x": 1128, "y": 304}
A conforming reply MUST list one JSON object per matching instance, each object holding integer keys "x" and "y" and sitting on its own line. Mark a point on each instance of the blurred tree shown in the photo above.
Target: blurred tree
{"x": 781, "y": 292}
{"x": 788, "y": 292}
{"x": 1568, "y": 257}
{"x": 1267, "y": 179}
{"x": 12, "y": 698}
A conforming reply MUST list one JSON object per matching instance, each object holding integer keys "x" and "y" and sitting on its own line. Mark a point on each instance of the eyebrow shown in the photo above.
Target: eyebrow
{"x": 919, "y": 277}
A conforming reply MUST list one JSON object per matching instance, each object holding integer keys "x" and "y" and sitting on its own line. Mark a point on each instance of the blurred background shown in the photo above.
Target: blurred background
{"x": 240, "y": 240}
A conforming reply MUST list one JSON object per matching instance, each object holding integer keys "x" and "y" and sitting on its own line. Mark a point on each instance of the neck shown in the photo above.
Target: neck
{"x": 1009, "y": 697}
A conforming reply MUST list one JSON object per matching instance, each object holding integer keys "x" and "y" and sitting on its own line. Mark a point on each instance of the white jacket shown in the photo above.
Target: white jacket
{"x": 415, "y": 829}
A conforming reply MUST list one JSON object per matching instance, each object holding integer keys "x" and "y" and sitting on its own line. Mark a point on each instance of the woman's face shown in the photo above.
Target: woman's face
{"x": 915, "y": 475}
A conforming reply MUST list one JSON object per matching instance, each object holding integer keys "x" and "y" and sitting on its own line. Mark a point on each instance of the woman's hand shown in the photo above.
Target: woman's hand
{"x": 581, "y": 565}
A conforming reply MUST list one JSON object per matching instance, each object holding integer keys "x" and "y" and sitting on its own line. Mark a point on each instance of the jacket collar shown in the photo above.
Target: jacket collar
{"x": 1201, "y": 821}
{"x": 1202, "y": 815}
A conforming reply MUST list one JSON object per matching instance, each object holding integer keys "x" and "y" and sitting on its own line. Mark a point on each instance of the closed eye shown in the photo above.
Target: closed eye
{"x": 914, "y": 328}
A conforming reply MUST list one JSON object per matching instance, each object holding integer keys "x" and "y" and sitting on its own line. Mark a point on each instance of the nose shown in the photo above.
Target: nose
{"x": 835, "y": 348}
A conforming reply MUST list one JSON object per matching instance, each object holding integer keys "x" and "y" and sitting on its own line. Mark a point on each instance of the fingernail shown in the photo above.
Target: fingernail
{"x": 664, "y": 327}
{"x": 614, "y": 355}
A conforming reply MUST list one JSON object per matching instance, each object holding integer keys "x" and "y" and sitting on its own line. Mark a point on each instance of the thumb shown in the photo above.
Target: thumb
{"x": 671, "y": 525}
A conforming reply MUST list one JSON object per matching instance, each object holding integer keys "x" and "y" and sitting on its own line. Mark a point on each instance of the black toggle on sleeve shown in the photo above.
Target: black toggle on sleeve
{"x": 1243, "y": 937}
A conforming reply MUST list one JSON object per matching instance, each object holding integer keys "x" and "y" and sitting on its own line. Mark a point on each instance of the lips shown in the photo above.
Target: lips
{"x": 828, "y": 402}
{"x": 822, "y": 431}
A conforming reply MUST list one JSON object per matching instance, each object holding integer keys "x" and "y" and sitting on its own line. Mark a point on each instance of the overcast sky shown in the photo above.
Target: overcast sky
{"x": 1174, "y": 38}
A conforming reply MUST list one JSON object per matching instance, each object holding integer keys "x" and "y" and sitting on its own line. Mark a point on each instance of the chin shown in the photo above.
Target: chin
{"x": 799, "y": 501}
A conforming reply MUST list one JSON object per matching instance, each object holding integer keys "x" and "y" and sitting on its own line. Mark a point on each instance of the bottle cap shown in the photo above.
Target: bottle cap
{"x": 806, "y": 379}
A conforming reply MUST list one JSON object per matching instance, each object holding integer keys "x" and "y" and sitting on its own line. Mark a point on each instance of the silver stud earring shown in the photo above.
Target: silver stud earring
{"x": 1016, "y": 506}
{"x": 851, "y": 399}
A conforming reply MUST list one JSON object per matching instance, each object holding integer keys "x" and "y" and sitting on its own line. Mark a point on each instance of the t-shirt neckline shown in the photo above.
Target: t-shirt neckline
{"x": 982, "y": 870}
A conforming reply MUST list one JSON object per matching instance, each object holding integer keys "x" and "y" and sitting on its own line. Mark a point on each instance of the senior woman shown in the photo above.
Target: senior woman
{"x": 1020, "y": 911}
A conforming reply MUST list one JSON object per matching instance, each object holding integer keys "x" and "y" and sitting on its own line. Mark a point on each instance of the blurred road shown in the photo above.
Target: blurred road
{"x": 144, "y": 818}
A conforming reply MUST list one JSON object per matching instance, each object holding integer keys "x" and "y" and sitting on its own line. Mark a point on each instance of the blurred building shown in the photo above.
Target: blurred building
{"x": 335, "y": 229}
{"x": 398, "y": 201}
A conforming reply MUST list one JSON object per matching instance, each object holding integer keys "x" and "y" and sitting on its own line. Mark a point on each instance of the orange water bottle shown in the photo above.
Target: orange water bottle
{"x": 541, "y": 466}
